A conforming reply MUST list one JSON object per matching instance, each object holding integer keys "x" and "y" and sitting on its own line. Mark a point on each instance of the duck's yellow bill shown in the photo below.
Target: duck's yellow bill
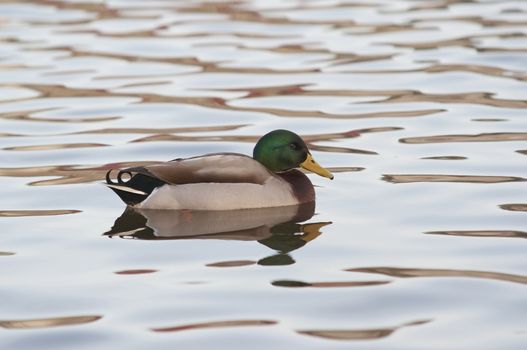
{"x": 311, "y": 165}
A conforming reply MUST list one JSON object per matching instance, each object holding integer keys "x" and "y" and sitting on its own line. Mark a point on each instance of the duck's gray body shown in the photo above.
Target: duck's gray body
{"x": 221, "y": 181}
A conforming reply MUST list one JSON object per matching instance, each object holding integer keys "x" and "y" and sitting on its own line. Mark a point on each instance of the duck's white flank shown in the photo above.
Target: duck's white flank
{"x": 221, "y": 196}
{"x": 126, "y": 189}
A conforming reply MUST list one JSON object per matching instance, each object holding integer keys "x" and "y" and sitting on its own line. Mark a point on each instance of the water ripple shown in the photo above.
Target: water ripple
{"x": 486, "y": 137}
{"x": 48, "y": 322}
{"x": 377, "y": 89}
{"x": 359, "y": 334}
{"x": 482, "y": 233}
{"x": 21, "y": 213}
{"x": 217, "y": 324}
{"x": 476, "y": 179}
{"x": 514, "y": 207}
{"x": 418, "y": 272}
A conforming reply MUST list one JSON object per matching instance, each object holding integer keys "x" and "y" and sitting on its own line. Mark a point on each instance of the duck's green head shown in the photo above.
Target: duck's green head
{"x": 282, "y": 150}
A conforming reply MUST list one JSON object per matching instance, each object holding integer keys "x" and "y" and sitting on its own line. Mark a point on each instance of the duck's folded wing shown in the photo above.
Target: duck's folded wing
{"x": 219, "y": 168}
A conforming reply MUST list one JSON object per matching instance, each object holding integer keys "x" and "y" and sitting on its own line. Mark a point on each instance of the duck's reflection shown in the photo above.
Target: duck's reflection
{"x": 279, "y": 228}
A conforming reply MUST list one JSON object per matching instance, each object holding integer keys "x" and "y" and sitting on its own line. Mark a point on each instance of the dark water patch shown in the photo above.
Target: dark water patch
{"x": 101, "y": 10}
{"x": 489, "y": 120}
{"x": 13, "y": 66}
{"x": 69, "y": 72}
{"x": 474, "y": 68}
{"x": 486, "y": 137}
{"x": 48, "y": 322}
{"x": 219, "y": 103}
{"x": 513, "y": 10}
{"x": 476, "y": 179}
{"x": 217, "y": 324}
{"x": 477, "y": 98}
{"x": 14, "y": 40}
{"x": 27, "y": 116}
{"x": 195, "y": 282}
{"x": 166, "y": 135}
{"x": 63, "y": 91}
{"x": 345, "y": 169}
{"x": 318, "y": 114}
{"x": 491, "y": 22}
{"x": 52, "y": 147}
{"x": 21, "y": 213}
{"x": 514, "y": 207}
{"x": 448, "y": 68}
{"x": 6, "y": 134}
{"x": 465, "y": 41}
{"x": 418, "y": 272}
{"x": 277, "y": 260}
{"x": 446, "y": 158}
{"x": 359, "y": 334}
{"x": 334, "y": 149}
{"x": 336, "y": 58}
{"x": 140, "y": 84}
{"x": 337, "y": 284}
{"x": 392, "y": 96}
{"x": 232, "y": 263}
{"x": 502, "y": 49}
{"x": 234, "y": 34}
{"x": 522, "y": 151}
{"x": 236, "y": 12}
{"x": 205, "y": 66}
{"x": 171, "y": 137}
{"x": 482, "y": 233}
{"x": 290, "y": 284}
{"x": 151, "y": 33}
{"x": 245, "y": 139}
{"x": 161, "y": 130}
{"x": 7, "y": 253}
{"x": 135, "y": 272}
{"x": 24, "y": 114}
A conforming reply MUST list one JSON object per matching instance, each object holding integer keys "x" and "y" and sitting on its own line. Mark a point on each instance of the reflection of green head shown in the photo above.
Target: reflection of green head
{"x": 280, "y": 150}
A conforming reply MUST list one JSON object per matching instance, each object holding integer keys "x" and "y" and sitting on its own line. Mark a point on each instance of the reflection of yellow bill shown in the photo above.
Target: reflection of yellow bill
{"x": 312, "y": 231}
{"x": 311, "y": 165}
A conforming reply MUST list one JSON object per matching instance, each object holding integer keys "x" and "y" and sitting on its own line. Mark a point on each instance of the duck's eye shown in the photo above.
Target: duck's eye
{"x": 293, "y": 146}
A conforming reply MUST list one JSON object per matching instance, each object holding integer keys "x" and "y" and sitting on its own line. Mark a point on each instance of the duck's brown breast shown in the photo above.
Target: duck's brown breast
{"x": 302, "y": 187}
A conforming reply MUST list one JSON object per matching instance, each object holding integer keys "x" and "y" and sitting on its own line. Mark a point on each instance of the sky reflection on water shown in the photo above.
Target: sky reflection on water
{"x": 418, "y": 107}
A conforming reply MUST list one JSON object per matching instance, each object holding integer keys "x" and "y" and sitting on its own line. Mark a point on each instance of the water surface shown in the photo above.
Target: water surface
{"x": 418, "y": 107}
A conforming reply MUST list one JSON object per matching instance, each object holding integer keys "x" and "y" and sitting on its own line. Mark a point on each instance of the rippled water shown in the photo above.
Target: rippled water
{"x": 418, "y": 107}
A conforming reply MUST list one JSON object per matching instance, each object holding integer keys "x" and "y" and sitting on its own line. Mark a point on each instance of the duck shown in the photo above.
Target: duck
{"x": 225, "y": 181}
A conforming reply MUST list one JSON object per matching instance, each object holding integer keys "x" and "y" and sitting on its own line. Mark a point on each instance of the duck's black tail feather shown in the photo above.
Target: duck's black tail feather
{"x": 134, "y": 190}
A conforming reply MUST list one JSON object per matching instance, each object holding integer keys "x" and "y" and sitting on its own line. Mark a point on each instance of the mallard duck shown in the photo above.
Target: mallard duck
{"x": 225, "y": 181}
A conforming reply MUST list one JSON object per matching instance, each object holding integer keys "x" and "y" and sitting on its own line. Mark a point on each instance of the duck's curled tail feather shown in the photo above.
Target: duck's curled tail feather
{"x": 134, "y": 190}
